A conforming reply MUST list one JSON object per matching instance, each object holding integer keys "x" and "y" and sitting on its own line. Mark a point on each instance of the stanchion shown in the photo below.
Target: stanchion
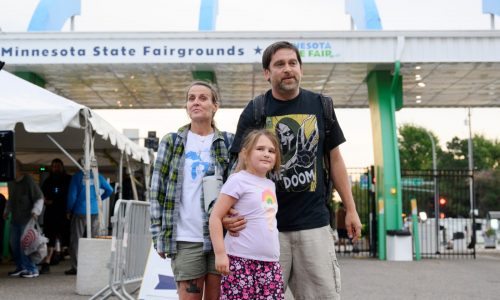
{"x": 381, "y": 230}
{"x": 414, "y": 220}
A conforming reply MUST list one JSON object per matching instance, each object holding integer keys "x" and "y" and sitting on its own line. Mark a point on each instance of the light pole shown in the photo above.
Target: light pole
{"x": 436, "y": 189}
{"x": 471, "y": 182}
{"x": 471, "y": 162}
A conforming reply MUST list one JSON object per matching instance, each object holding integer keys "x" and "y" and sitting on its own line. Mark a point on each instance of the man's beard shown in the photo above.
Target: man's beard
{"x": 289, "y": 86}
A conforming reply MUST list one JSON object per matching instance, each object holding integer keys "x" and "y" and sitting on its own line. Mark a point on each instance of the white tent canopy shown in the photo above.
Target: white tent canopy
{"x": 33, "y": 112}
{"x": 41, "y": 111}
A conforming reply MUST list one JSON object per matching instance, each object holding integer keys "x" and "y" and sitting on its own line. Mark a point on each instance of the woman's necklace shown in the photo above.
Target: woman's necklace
{"x": 203, "y": 140}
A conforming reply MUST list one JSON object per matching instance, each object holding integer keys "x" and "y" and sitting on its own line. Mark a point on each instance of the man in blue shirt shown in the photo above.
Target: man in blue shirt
{"x": 76, "y": 210}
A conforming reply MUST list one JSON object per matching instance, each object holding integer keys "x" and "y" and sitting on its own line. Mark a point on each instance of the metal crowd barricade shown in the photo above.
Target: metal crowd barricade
{"x": 130, "y": 245}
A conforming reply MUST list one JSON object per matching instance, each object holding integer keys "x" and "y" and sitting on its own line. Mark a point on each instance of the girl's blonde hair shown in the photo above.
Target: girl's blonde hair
{"x": 249, "y": 143}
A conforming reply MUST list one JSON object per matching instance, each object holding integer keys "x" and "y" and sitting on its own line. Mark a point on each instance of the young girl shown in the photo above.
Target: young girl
{"x": 249, "y": 262}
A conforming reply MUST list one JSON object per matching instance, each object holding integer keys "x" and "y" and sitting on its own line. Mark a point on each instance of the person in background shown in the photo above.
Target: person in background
{"x": 340, "y": 225}
{"x": 55, "y": 191}
{"x": 297, "y": 116}
{"x": 3, "y": 201}
{"x": 76, "y": 211}
{"x": 179, "y": 219}
{"x": 250, "y": 262}
{"x": 25, "y": 202}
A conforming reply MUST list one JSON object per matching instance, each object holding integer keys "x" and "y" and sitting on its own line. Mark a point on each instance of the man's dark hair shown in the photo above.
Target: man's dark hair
{"x": 57, "y": 160}
{"x": 273, "y": 48}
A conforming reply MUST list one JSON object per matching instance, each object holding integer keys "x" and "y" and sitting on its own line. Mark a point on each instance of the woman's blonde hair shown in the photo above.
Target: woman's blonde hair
{"x": 249, "y": 143}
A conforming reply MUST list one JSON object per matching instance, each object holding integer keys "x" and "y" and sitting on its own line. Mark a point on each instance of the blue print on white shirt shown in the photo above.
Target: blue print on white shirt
{"x": 199, "y": 167}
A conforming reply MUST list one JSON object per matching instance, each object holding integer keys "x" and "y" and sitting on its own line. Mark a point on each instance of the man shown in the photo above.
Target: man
{"x": 25, "y": 202}
{"x": 77, "y": 211}
{"x": 307, "y": 256}
{"x": 56, "y": 225}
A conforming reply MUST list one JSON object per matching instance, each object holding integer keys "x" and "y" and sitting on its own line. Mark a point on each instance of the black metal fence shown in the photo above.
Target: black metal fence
{"x": 445, "y": 204}
{"x": 445, "y": 194}
{"x": 361, "y": 183}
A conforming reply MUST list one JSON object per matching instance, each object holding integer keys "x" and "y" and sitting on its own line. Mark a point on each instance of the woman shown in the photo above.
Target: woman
{"x": 25, "y": 202}
{"x": 179, "y": 220}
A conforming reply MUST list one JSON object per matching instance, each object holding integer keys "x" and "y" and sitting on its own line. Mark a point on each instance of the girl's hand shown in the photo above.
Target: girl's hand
{"x": 222, "y": 264}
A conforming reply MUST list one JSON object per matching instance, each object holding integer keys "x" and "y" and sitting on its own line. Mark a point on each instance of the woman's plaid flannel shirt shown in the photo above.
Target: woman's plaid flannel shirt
{"x": 166, "y": 187}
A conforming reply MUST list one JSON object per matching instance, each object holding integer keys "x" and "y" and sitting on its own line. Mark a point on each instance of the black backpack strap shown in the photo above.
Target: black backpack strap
{"x": 174, "y": 138}
{"x": 259, "y": 110}
{"x": 327, "y": 104}
{"x": 226, "y": 140}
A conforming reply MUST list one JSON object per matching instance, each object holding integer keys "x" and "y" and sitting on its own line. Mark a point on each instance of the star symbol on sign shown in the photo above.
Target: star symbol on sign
{"x": 257, "y": 50}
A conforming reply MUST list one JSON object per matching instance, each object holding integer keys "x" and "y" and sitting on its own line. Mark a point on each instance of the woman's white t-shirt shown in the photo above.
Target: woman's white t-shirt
{"x": 196, "y": 164}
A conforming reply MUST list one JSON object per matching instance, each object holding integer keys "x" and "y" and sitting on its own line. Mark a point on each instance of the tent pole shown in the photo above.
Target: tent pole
{"x": 120, "y": 177}
{"x": 65, "y": 152}
{"x": 146, "y": 170}
{"x": 88, "y": 133}
{"x": 132, "y": 181}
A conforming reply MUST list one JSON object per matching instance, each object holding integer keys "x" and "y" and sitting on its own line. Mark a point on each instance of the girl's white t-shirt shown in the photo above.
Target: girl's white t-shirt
{"x": 256, "y": 201}
{"x": 196, "y": 164}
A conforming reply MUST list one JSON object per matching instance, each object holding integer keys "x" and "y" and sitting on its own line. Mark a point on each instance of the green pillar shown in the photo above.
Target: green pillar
{"x": 204, "y": 75}
{"x": 31, "y": 77}
{"x": 384, "y": 97}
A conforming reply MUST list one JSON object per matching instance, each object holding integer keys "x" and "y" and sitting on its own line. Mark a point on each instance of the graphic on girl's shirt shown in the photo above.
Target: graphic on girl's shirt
{"x": 268, "y": 198}
{"x": 298, "y": 135}
{"x": 198, "y": 167}
{"x": 269, "y": 203}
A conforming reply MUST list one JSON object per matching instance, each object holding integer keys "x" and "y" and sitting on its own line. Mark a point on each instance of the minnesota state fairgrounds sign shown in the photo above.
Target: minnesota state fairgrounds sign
{"x": 85, "y": 51}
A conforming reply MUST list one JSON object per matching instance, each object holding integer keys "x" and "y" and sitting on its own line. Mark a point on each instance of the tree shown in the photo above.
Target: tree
{"x": 455, "y": 157}
{"x": 487, "y": 189}
{"x": 486, "y": 154}
{"x": 415, "y": 147}
{"x": 415, "y": 150}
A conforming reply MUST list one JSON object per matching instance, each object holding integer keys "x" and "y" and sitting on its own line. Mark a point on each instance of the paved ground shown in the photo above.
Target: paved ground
{"x": 427, "y": 279}
{"x": 362, "y": 278}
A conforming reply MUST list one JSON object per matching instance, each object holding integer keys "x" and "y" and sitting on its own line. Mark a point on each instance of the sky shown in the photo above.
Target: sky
{"x": 280, "y": 15}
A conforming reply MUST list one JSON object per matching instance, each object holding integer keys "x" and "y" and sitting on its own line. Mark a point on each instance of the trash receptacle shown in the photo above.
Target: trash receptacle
{"x": 399, "y": 246}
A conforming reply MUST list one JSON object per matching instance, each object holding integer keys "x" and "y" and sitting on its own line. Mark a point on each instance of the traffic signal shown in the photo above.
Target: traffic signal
{"x": 151, "y": 141}
{"x": 442, "y": 201}
{"x": 7, "y": 156}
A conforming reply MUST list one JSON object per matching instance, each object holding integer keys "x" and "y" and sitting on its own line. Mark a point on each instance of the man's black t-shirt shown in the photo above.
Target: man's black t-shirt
{"x": 300, "y": 185}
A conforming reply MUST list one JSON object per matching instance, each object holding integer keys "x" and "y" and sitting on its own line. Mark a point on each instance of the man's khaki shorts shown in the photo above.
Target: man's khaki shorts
{"x": 191, "y": 262}
{"x": 315, "y": 272}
